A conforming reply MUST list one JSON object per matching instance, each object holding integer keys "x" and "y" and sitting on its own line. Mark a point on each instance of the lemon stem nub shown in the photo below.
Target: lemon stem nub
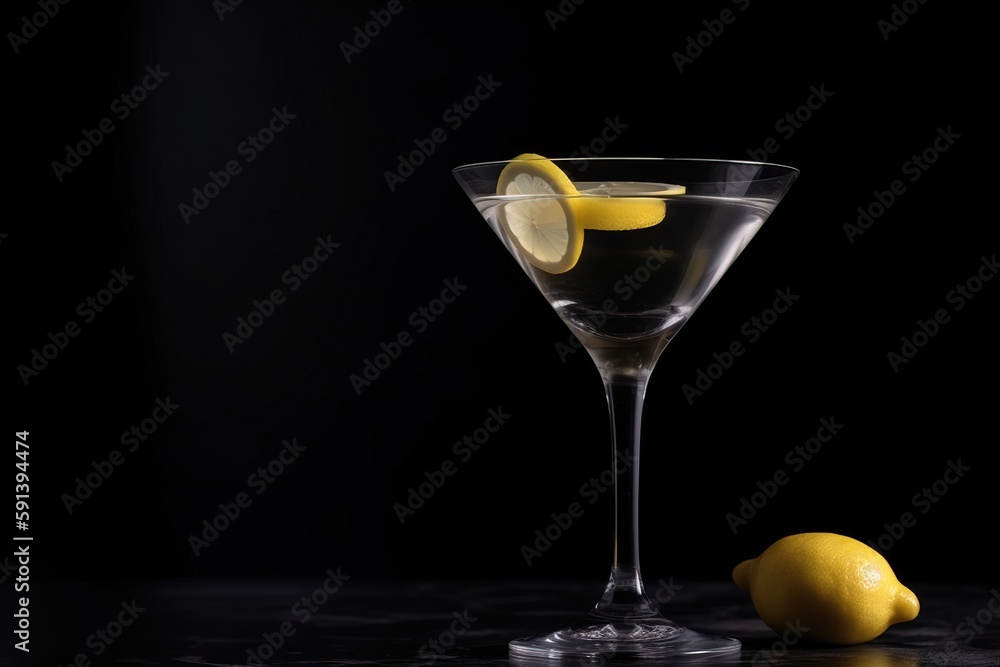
{"x": 907, "y": 606}
{"x": 741, "y": 574}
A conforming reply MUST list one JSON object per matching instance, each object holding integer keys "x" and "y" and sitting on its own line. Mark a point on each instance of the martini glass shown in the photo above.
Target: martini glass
{"x": 624, "y": 250}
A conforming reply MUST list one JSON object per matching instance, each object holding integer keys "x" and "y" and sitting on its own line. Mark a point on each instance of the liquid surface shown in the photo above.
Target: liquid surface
{"x": 642, "y": 284}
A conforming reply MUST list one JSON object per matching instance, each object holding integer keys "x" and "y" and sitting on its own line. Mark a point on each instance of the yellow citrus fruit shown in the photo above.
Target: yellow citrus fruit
{"x": 618, "y": 214}
{"x": 607, "y": 206}
{"x": 842, "y": 590}
{"x": 540, "y": 222}
{"x": 547, "y": 216}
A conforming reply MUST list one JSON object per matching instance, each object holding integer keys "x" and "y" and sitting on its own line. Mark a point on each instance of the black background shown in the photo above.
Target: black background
{"x": 496, "y": 345}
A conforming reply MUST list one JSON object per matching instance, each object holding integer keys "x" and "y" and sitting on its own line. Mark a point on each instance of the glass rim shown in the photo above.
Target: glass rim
{"x": 493, "y": 163}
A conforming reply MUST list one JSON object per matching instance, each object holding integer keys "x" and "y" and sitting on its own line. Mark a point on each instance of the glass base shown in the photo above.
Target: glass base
{"x": 596, "y": 643}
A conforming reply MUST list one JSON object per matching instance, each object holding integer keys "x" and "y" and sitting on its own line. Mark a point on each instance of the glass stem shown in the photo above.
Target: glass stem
{"x": 624, "y": 597}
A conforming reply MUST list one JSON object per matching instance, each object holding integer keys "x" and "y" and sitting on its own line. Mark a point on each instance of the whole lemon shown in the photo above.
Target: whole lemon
{"x": 842, "y": 590}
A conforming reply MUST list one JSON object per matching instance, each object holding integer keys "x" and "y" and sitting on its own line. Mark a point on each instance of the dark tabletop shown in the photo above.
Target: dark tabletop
{"x": 366, "y": 623}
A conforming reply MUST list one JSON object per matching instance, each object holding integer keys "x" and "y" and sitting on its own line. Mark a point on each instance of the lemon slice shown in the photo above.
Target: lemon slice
{"x": 543, "y": 227}
{"x": 547, "y": 228}
{"x": 619, "y": 214}
{"x": 605, "y": 206}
